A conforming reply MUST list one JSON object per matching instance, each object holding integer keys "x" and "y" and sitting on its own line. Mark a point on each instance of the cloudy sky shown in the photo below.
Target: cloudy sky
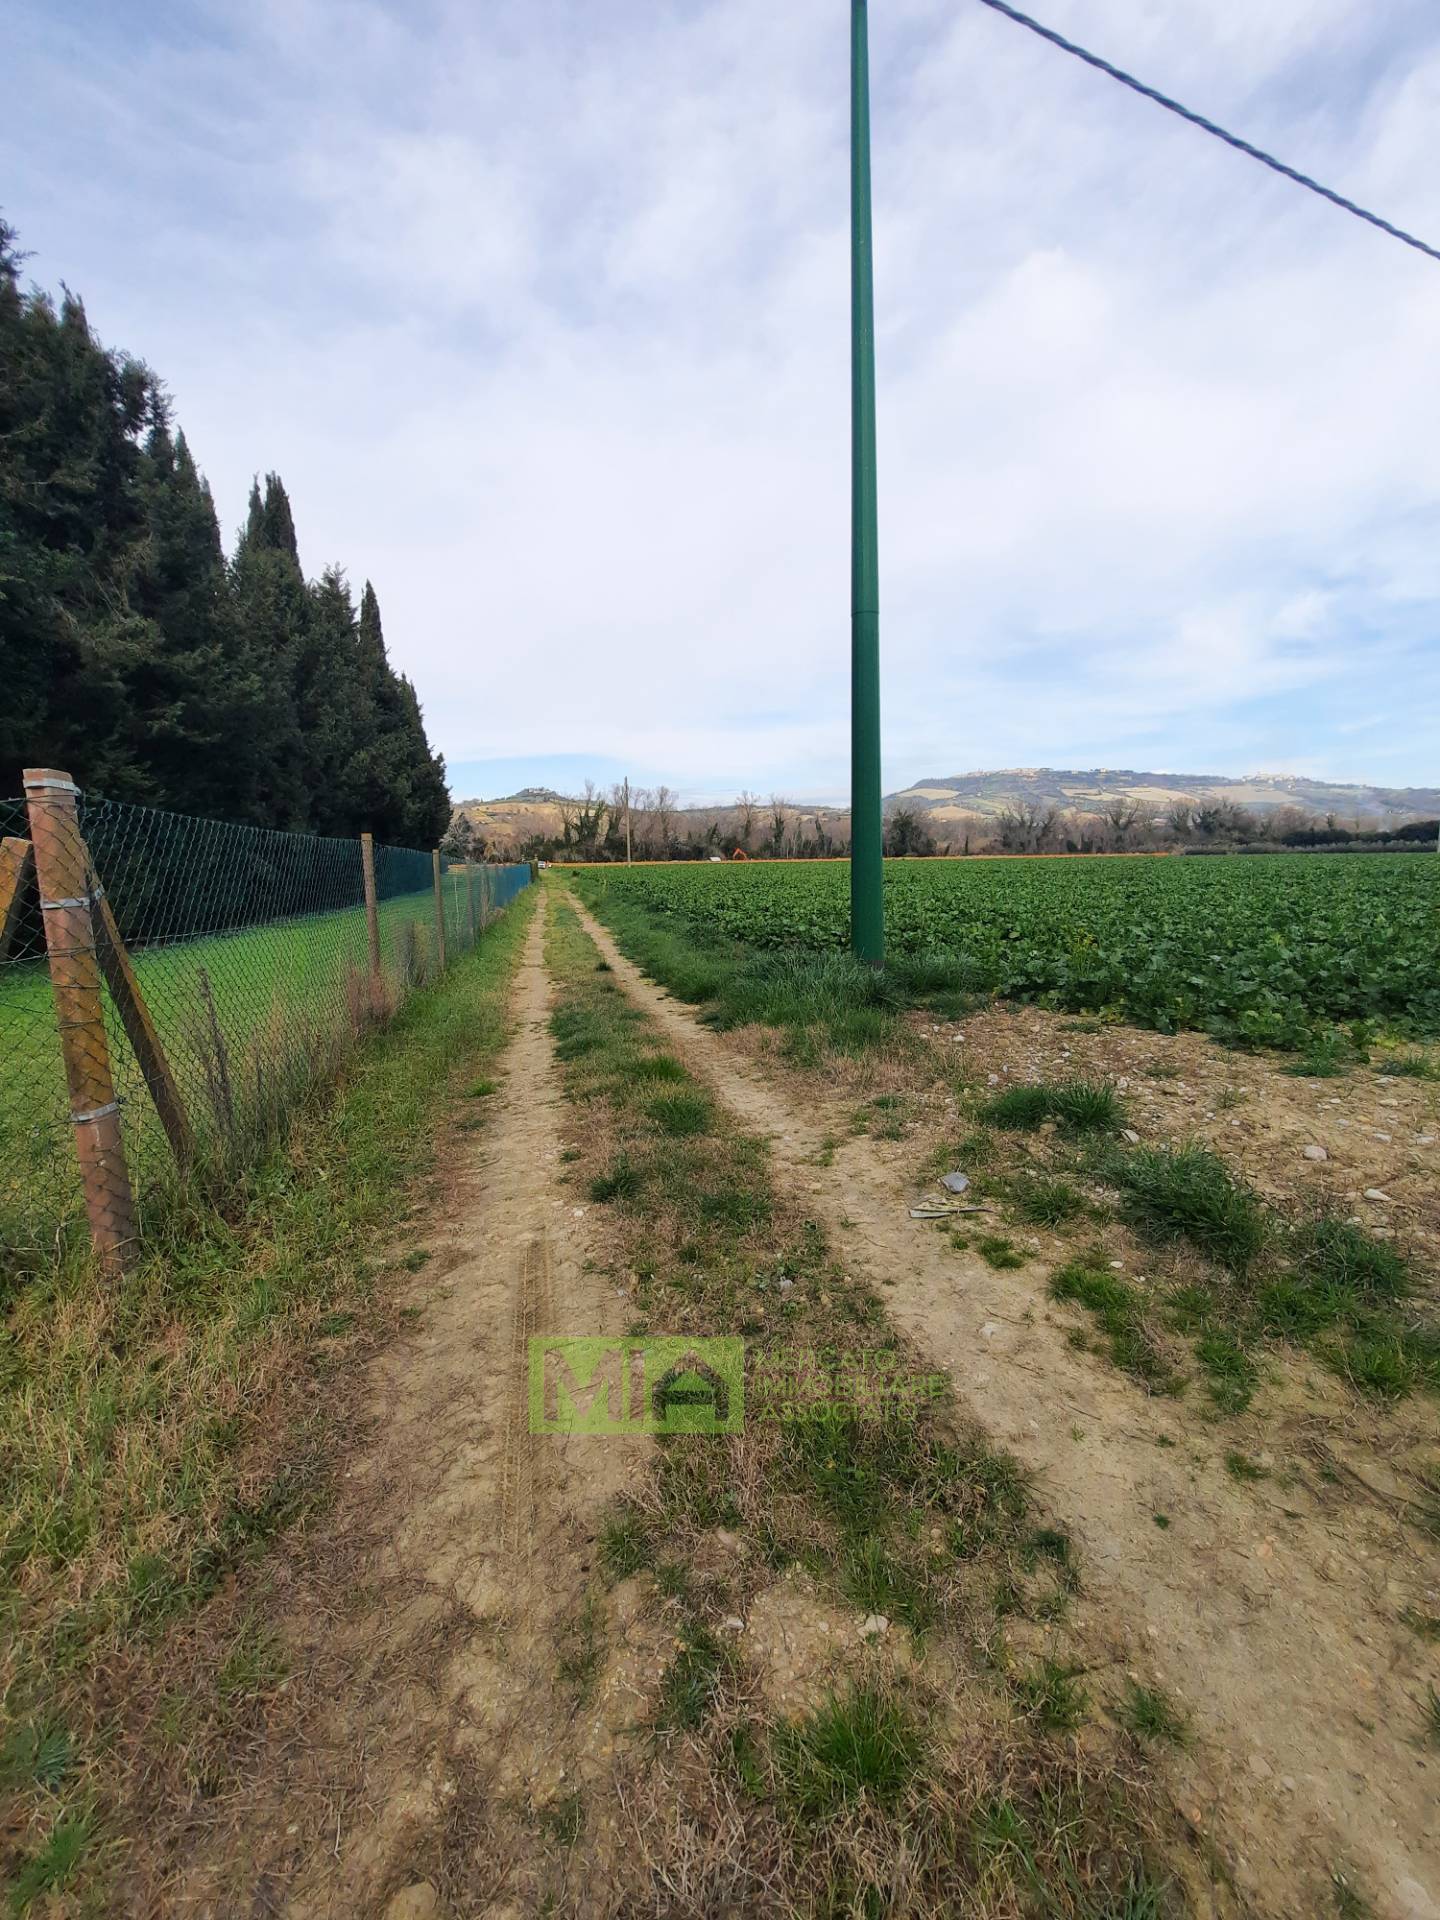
{"x": 540, "y": 307}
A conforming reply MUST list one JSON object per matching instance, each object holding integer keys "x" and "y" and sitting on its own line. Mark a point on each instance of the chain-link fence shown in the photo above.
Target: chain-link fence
{"x": 171, "y": 987}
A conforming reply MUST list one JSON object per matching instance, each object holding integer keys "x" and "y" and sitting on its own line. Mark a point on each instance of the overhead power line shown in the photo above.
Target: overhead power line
{"x": 1208, "y": 126}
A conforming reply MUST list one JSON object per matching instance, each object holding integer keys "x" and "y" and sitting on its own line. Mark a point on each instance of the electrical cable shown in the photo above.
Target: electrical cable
{"x": 1208, "y": 126}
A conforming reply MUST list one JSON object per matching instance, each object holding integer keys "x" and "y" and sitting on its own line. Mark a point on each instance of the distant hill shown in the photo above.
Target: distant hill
{"x": 954, "y": 803}
{"x": 1089, "y": 791}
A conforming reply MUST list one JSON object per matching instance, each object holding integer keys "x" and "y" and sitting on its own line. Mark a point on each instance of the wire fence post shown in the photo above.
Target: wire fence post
{"x": 372, "y": 920}
{"x": 16, "y": 860}
{"x": 62, "y": 866}
{"x": 470, "y": 896}
{"x": 439, "y": 913}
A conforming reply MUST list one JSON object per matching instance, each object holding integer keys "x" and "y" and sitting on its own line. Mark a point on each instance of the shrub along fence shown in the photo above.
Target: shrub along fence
{"x": 170, "y": 987}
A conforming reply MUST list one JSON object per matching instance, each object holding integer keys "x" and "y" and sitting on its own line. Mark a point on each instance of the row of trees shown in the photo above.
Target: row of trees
{"x": 133, "y": 653}
{"x": 1124, "y": 826}
{"x": 594, "y": 827}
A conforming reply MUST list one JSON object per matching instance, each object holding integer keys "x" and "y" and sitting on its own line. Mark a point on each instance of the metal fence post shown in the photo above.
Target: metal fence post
{"x": 439, "y": 913}
{"x": 62, "y": 870}
{"x": 372, "y": 920}
{"x": 470, "y": 896}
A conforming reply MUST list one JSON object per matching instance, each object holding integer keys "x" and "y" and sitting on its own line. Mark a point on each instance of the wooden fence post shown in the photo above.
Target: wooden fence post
{"x": 135, "y": 1017}
{"x": 439, "y": 913}
{"x": 372, "y": 921}
{"x": 62, "y": 868}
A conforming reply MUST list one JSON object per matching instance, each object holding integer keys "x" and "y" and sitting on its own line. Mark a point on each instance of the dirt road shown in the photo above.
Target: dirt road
{"x": 1279, "y": 1632}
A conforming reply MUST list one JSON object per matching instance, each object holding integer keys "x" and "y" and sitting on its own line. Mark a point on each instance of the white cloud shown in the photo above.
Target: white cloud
{"x": 542, "y": 311}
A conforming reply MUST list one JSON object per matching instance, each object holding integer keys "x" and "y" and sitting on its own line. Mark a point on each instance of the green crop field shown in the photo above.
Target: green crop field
{"x": 1264, "y": 950}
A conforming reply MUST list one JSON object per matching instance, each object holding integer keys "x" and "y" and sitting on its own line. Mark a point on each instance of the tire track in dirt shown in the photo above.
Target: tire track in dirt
{"x": 454, "y": 1563}
{"x": 1279, "y": 1634}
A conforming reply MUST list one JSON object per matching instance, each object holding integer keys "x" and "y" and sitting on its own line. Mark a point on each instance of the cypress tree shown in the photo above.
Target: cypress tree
{"x": 133, "y": 655}
{"x": 335, "y": 716}
{"x": 271, "y": 614}
{"x": 185, "y": 703}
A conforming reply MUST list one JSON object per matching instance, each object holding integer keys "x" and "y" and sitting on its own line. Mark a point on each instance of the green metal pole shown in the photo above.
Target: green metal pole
{"x": 867, "y": 873}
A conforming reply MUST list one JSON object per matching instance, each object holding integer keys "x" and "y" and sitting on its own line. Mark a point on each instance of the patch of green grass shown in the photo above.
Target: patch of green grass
{"x": 1050, "y": 1544}
{"x": 878, "y": 1580}
{"x": 482, "y": 1089}
{"x": 1342, "y": 1258}
{"x": 748, "y": 1761}
{"x": 1150, "y": 1714}
{"x": 1019, "y": 1109}
{"x": 852, "y": 1465}
{"x": 1350, "y": 1903}
{"x": 1427, "y": 1625}
{"x": 1410, "y": 1066}
{"x": 1430, "y": 1717}
{"x": 863, "y": 1743}
{"x": 1079, "y": 1106}
{"x": 582, "y": 1648}
{"x": 992, "y": 1494}
{"x": 1049, "y": 1694}
{"x": 689, "y": 1683}
{"x": 656, "y": 1066}
{"x": 36, "y": 1753}
{"x": 626, "y": 1542}
{"x": 50, "y": 1870}
{"x": 255, "y": 1663}
{"x": 1376, "y": 1359}
{"x": 1118, "y": 1309}
{"x": 1162, "y": 1521}
{"x": 622, "y": 1181}
{"x": 1188, "y": 1193}
{"x": 1327, "y": 1058}
{"x": 1086, "y": 1106}
{"x": 682, "y": 1115}
{"x": 563, "y": 1820}
{"x": 1047, "y": 1202}
{"x": 999, "y": 1253}
{"x": 1231, "y": 1376}
{"x": 1240, "y": 1466}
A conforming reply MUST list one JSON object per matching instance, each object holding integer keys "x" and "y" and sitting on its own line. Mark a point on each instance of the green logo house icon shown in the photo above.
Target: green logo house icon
{"x": 671, "y": 1384}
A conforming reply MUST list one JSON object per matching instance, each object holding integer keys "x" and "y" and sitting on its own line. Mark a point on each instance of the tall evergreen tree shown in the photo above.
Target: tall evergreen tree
{"x": 133, "y": 655}
{"x": 186, "y": 700}
{"x": 336, "y": 719}
{"x": 271, "y": 612}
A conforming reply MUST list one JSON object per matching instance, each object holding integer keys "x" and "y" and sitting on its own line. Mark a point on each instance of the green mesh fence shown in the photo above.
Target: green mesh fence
{"x": 251, "y": 950}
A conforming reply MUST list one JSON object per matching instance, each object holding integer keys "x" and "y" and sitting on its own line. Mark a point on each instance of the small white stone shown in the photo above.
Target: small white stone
{"x": 873, "y": 1626}
{"x": 1129, "y": 1133}
{"x": 1377, "y": 1193}
{"x": 1316, "y": 1153}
